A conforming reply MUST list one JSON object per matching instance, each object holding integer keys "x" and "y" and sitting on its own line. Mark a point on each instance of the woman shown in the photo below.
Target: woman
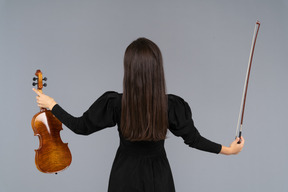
{"x": 143, "y": 114}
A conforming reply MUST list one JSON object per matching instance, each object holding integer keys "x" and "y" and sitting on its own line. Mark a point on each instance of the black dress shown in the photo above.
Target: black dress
{"x": 140, "y": 166}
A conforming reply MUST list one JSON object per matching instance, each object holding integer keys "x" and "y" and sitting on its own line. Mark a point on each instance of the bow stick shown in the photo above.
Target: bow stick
{"x": 242, "y": 108}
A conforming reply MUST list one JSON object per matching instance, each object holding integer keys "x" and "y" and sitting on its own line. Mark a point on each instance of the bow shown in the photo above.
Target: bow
{"x": 242, "y": 108}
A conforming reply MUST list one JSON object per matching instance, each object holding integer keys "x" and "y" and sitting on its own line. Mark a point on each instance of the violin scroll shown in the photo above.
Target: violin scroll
{"x": 39, "y": 80}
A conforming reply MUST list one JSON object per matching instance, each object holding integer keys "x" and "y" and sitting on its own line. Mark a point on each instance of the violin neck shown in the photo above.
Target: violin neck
{"x": 41, "y": 108}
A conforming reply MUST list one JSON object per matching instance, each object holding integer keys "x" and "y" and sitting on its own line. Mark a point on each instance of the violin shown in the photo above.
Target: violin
{"x": 52, "y": 155}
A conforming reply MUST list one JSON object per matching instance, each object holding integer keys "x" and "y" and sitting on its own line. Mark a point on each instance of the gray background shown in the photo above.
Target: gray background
{"x": 79, "y": 46}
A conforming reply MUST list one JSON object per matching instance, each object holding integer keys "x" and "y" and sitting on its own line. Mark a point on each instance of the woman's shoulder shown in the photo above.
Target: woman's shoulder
{"x": 111, "y": 94}
{"x": 173, "y": 99}
{"x": 177, "y": 104}
{"x": 108, "y": 99}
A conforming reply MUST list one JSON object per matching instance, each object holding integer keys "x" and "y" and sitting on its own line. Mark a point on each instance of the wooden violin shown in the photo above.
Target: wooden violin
{"x": 52, "y": 155}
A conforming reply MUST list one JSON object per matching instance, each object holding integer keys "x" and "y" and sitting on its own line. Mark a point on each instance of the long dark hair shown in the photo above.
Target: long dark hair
{"x": 144, "y": 103}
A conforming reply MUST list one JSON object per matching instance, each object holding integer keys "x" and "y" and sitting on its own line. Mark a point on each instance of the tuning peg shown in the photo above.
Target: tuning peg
{"x": 34, "y": 78}
{"x": 34, "y": 83}
{"x": 45, "y": 79}
{"x": 45, "y": 85}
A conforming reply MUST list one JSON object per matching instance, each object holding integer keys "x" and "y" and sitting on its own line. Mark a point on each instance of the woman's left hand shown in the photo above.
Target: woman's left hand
{"x": 44, "y": 101}
{"x": 235, "y": 147}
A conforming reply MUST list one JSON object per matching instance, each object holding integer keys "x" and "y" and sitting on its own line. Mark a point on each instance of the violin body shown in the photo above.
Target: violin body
{"x": 52, "y": 155}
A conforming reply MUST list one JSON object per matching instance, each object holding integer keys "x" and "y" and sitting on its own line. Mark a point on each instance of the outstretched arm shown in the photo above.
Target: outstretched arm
{"x": 100, "y": 115}
{"x": 234, "y": 148}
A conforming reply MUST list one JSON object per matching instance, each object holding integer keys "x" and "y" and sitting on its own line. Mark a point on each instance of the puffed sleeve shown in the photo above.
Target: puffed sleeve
{"x": 100, "y": 115}
{"x": 181, "y": 124}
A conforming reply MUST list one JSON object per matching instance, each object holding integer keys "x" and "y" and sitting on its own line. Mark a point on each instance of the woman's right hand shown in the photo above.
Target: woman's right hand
{"x": 234, "y": 148}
